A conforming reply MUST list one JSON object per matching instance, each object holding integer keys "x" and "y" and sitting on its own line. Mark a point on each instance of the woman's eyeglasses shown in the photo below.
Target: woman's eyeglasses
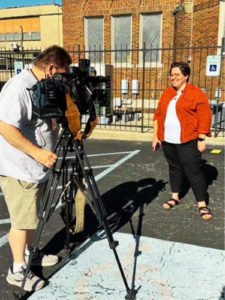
{"x": 174, "y": 75}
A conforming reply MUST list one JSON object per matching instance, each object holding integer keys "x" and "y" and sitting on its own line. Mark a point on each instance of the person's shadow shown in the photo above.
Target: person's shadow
{"x": 210, "y": 173}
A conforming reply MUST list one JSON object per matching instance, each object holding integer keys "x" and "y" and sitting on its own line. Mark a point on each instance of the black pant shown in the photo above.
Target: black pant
{"x": 185, "y": 157}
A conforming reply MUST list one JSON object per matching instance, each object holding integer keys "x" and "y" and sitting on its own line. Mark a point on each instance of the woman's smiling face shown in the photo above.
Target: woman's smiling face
{"x": 177, "y": 79}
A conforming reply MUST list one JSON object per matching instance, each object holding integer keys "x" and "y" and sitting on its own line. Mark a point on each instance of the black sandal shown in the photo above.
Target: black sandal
{"x": 206, "y": 211}
{"x": 171, "y": 205}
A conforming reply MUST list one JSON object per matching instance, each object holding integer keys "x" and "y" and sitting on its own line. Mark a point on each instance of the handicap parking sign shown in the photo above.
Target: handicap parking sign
{"x": 18, "y": 67}
{"x": 213, "y": 65}
{"x": 213, "y": 68}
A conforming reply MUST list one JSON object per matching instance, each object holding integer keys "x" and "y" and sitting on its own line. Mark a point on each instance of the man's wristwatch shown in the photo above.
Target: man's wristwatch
{"x": 201, "y": 139}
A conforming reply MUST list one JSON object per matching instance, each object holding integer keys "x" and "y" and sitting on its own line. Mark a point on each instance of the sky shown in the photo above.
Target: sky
{"x": 16, "y": 3}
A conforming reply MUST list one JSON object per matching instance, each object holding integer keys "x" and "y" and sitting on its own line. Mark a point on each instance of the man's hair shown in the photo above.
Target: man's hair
{"x": 55, "y": 55}
{"x": 184, "y": 68}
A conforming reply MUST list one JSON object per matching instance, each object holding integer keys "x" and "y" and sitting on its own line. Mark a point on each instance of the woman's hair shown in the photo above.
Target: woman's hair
{"x": 55, "y": 55}
{"x": 184, "y": 68}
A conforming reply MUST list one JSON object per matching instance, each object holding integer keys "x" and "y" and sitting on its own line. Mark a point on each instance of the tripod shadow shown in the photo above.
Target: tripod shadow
{"x": 210, "y": 173}
{"x": 120, "y": 203}
{"x": 222, "y": 297}
{"x": 137, "y": 251}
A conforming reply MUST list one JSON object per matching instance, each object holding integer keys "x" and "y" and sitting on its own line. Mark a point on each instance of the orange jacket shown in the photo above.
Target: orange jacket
{"x": 193, "y": 111}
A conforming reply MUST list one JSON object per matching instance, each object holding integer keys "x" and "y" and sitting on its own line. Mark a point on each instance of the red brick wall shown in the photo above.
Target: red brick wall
{"x": 205, "y": 27}
{"x": 75, "y": 11}
{"x": 203, "y": 21}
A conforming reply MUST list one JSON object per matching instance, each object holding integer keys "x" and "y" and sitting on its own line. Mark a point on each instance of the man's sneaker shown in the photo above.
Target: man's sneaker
{"x": 32, "y": 283}
{"x": 41, "y": 259}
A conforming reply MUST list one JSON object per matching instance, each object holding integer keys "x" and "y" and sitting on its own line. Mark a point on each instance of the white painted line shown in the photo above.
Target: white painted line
{"x": 116, "y": 165}
{"x": 94, "y": 167}
{"x": 4, "y": 221}
{"x": 101, "y": 154}
{"x": 4, "y": 239}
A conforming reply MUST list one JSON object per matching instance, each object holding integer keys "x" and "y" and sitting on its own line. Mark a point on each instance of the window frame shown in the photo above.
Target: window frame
{"x": 87, "y": 55}
{"x": 221, "y": 27}
{"x": 156, "y": 64}
{"x": 113, "y": 62}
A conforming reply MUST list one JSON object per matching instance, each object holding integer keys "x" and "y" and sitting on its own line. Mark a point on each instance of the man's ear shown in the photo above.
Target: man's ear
{"x": 50, "y": 69}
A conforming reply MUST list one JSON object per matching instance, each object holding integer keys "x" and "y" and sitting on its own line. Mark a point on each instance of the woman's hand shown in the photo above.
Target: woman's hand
{"x": 155, "y": 144}
{"x": 201, "y": 146}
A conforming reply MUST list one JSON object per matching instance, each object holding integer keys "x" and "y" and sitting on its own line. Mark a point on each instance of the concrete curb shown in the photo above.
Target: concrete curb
{"x": 101, "y": 134}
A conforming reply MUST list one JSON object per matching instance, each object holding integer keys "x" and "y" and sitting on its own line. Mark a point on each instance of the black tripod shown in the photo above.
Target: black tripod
{"x": 71, "y": 182}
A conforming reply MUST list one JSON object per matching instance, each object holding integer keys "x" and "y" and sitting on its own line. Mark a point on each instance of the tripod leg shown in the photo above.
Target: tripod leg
{"x": 100, "y": 211}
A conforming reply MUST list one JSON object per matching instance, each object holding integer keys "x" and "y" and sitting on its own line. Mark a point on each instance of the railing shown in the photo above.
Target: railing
{"x": 137, "y": 78}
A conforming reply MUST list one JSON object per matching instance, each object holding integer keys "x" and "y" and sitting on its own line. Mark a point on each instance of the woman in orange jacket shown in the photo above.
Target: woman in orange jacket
{"x": 181, "y": 122}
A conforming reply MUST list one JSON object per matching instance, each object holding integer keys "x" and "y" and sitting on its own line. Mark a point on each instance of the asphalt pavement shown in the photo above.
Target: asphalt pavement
{"x": 166, "y": 254}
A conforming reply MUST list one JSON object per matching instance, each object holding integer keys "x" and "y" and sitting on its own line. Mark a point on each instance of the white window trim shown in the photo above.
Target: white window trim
{"x": 221, "y": 32}
{"x": 118, "y": 64}
{"x": 157, "y": 64}
{"x": 86, "y": 37}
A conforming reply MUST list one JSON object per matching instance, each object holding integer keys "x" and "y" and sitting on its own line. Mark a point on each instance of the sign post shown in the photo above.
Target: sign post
{"x": 213, "y": 68}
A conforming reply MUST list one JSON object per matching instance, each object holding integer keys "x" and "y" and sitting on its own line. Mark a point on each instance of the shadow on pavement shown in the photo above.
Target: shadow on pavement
{"x": 210, "y": 173}
{"x": 120, "y": 203}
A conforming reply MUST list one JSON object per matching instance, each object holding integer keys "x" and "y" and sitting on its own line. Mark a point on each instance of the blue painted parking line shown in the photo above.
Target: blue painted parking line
{"x": 164, "y": 271}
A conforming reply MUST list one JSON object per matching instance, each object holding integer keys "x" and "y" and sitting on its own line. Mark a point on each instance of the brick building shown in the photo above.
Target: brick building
{"x": 120, "y": 27}
{"x": 109, "y": 24}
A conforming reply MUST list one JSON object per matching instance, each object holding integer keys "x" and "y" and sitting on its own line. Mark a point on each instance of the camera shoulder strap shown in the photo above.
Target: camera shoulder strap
{"x": 73, "y": 115}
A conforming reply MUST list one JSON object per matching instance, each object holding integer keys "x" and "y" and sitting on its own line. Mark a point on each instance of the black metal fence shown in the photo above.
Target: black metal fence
{"x": 137, "y": 78}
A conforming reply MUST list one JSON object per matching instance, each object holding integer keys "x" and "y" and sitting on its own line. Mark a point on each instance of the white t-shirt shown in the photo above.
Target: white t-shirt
{"x": 172, "y": 123}
{"x": 16, "y": 110}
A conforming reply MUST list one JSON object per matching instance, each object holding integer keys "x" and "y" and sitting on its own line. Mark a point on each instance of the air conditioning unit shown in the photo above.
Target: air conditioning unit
{"x": 14, "y": 46}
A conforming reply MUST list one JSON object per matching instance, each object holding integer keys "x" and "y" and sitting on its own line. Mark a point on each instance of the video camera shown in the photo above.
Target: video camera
{"x": 80, "y": 82}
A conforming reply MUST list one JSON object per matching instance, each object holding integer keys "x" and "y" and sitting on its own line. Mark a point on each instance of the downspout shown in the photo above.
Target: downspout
{"x": 178, "y": 9}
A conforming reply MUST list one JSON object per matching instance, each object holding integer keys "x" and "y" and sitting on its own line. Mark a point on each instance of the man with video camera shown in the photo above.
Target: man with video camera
{"x": 25, "y": 147}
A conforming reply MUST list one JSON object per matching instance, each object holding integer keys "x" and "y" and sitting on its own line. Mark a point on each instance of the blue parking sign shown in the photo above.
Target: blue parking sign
{"x": 213, "y": 68}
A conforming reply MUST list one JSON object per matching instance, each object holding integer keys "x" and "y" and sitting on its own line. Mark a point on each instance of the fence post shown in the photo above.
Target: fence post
{"x": 218, "y": 90}
{"x": 11, "y": 63}
{"x": 78, "y": 53}
{"x": 23, "y": 57}
{"x": 143, "y": 87}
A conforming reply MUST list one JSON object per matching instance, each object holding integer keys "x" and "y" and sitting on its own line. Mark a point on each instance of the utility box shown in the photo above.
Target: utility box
{"x": 106, "y": 88}
{"x": 219, "y": 123}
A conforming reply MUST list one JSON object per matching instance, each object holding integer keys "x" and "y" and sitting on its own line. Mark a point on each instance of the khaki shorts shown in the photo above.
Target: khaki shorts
{"x": 23, "y": 201}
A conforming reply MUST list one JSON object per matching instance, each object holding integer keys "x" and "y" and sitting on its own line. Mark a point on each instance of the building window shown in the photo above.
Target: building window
{"x": 35, "y": 35}
{"x": 121, "y": 31}
{"x": 2, "y": 37}
{"x": 94, "y": 42}
{"x": 17, "y": 36}
{"x": 150, "y": 35}
{"x": 11, "y": 29}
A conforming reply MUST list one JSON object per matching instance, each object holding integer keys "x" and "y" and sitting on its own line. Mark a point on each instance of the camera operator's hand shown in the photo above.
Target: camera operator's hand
{"x": 44, "y": 157}
{"x": 15, "y": 138}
